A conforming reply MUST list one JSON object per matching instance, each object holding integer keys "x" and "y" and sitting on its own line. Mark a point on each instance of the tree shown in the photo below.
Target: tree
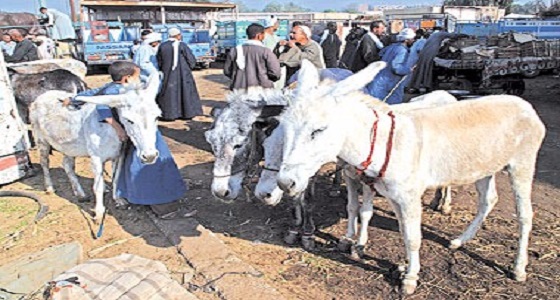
{"x": 292, "y": 7}
{"x": 351, "y": 8}
{"x": 330, "y": 10}
{"x": 242, "y": 7}
{"x": 273, "y": 7}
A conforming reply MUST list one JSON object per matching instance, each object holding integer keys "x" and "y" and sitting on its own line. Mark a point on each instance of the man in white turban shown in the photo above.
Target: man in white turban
{"x": 301, "y": 47}
{"x": 178, "y": 97}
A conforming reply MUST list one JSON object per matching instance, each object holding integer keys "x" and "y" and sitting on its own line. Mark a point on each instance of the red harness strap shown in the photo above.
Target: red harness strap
{"x": 367, "y": 162}
{"x": 389, "y": 148}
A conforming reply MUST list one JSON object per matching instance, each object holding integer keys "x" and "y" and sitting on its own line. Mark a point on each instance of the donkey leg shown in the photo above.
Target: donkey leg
{"x": 410, "y": 214}
{"x": 521, "y": 179}
{"x": 445, "y": 202}
{"x": 442, "y": 200}
{"x": 44, "y": 150}
{"x": 294, "y": 231}
{"x": 352, "y": 208}
{"x": 68, "y": 163}
{"x": 487, "y": 198}
{"x": 308, "y": 228}
{"x": 366, "y": 213}
{"x": 98, "y": 187}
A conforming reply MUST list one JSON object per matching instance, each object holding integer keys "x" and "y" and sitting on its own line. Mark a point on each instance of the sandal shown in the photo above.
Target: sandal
{"x": 178, "y": 214}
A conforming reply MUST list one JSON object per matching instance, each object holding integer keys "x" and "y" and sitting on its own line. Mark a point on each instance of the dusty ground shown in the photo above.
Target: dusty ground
{"x": 480, "y": 270}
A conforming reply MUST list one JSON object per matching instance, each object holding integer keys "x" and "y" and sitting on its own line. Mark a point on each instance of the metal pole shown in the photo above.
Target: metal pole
{"x": 162, "y": 14}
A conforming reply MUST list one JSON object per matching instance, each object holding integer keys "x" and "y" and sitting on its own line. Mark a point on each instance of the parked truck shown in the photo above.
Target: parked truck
{"x": 198, "y": 40}
{"x": 102, "y": 43}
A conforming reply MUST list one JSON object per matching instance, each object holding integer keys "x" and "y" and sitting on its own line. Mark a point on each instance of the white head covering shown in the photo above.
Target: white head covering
{"x": 406, "y": 34}
{"x": 270, "y": 21}
{"x": 152, "y": 37}
{"x": 306, "y": 31}
{"x": 173, "y": 31}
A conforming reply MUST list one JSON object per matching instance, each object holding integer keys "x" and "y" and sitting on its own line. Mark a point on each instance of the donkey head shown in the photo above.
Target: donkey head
{"x": 236, "y": 138}
{"x": 314, "y": 131}
{"x": 138, "y": 112}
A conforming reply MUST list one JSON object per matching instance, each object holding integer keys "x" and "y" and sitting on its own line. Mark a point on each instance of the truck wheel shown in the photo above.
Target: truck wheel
{"x": 205, "y": 65}
{"x": 530, "y": 73}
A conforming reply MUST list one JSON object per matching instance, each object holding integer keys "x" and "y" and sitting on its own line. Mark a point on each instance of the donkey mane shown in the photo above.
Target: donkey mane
{"x": 258, "y": 97}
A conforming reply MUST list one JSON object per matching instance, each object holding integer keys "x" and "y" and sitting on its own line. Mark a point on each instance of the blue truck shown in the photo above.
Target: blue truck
{"x": 198, "y": 40}
{"x": 541, "y": 28}
{"x": 102, "y": 43}
{"x": 230, "y": 34}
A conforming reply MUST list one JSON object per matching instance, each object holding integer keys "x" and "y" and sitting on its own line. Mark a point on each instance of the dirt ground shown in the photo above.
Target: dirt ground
{"x": 479, "y": 270}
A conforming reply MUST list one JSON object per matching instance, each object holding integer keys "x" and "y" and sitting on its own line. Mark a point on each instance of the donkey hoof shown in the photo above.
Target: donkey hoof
{"x": 408, "y": 286}
{"x": 50, "y": 191}
{"x": 520, "y": 276}
{"x": 344, "y": 245}
{"x": 446, "y": 210}
{"x": 291, "y": 238}
{"x": 357, "y": 252}
{"x": 308, "y": 242}
{"x": 82, "y": 199}
{"x": 455, "y": 244}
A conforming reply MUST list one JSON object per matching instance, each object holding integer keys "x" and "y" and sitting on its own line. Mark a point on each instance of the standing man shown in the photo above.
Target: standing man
{"x": 301, "y": 47}
{"x": 352, "y": 41}
{"x": 60, "y": 24}
{"x": 422, "y": 78}
{"x": 388, "y": 84}
{"x": 178, "y": 97}
{"x": 270, "y": 27}
{"x": 7, "y": 45}
{"x": 252, "y": 64}
{"x": 330, "y": 42}
{"x": 369, "y": 47}
{"x": 24, "y": 50}
{"x": 145, "y": 56}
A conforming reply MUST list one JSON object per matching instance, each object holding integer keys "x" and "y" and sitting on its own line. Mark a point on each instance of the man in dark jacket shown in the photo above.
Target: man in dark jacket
{"x": 330, "y": 42}
{"x": 352, "y": 41}
{"x": 178, "y": 97}
{"x": 369, "y": 47}
{"x": 24, "y": 50}
{"x": 252, "y": 64}
{"x": 422, "y": 77}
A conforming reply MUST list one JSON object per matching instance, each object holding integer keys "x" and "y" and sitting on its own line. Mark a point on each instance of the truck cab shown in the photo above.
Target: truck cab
{"x": 198, "y": 40}
{"x": 102, "y": 43}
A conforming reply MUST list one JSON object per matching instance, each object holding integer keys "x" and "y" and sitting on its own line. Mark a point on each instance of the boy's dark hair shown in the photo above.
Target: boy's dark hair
{"x": 42, "y": 7}
{"x": 376, "y": 24}
{"x": 296, "y": 23}
{"x": 120, "y": 69}
{"x": 253, "y": 30}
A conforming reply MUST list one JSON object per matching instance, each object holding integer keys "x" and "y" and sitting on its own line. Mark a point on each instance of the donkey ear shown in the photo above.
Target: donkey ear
{"x": 308, "y": 77}
{"x": 152, "y": 86}
{"x": 109, "y": 100}
{"x": 268, "y": 111}
{"x": 358, "y": 80}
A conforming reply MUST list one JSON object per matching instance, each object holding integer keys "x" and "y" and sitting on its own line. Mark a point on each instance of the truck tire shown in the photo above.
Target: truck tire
{"x": 530, "y": 73}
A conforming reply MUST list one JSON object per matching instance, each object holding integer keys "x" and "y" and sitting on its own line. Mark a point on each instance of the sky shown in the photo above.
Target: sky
{"x": 316, "y": 5}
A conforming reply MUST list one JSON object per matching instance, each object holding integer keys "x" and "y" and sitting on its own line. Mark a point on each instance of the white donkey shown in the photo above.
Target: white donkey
{"x": 268, "y": 191}
{"x": 407, "y": 153}
{"x": 77, "y": 133}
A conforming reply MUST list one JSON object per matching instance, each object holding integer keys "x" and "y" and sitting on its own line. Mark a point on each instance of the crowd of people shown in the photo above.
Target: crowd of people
{"x": 265, "y": 60}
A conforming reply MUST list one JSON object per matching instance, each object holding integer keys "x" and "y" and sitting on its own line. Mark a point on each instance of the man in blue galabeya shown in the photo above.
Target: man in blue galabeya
{"x": 387, "y": 85}
{"x": 158, "y": 185}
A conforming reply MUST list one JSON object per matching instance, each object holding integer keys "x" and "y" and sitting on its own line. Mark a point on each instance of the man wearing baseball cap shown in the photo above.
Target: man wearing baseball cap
{"x": 388, "y": 85}
{"x": 178, "y": 97}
